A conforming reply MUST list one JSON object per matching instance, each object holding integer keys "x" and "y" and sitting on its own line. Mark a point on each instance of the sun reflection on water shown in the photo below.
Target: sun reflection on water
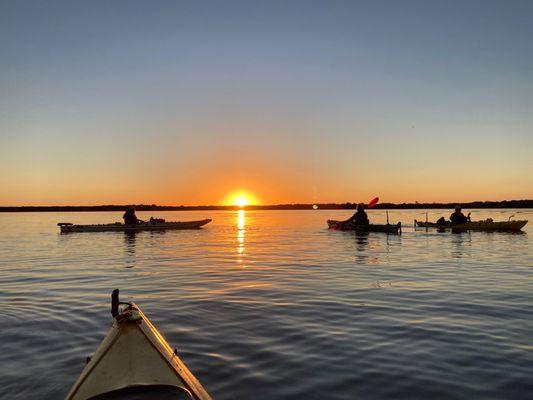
{"x": 240, "y": 234}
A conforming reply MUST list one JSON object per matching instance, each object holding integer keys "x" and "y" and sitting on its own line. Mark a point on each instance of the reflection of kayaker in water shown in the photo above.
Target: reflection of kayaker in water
{"x": 130, "y": 218}
{"x": 360, "y": 217}
{"x": 458, "y": 217}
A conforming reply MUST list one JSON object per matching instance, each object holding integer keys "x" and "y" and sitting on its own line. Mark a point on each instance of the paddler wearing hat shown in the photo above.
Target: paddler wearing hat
{"x": 458, "y": 217}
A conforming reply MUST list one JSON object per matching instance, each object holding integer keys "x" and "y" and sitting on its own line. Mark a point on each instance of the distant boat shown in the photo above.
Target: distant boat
{"x": 67, "y": 227}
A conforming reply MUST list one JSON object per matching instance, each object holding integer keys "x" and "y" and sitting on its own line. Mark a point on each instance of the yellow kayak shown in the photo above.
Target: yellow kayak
{"x": 476, "y": 225}
{"x": 134, "y": 361}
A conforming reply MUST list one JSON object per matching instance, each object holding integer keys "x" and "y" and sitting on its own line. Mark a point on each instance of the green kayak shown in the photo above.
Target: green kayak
{"x": 347, "y": 226}
{"x": 489, "y": 226}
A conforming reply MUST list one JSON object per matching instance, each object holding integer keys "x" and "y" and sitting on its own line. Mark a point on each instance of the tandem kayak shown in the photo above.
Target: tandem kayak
{"x": 346, "y": 226}
{"x": 476, "y": 225}
{"x": 67, "y": 227}
{"x": 135, "y": 362}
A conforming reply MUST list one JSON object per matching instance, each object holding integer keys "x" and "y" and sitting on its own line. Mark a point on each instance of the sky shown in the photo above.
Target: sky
{"x": 175, "y": 102}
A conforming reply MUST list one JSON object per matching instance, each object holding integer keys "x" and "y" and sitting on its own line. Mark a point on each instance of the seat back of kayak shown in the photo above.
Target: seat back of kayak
{"x": 147, "y": 392}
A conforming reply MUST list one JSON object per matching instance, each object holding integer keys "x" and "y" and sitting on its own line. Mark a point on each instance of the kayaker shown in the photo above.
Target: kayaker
{"x": 360, "y": 217}
{"x": 458, "y": 217}
{"x": 130, "y": 218}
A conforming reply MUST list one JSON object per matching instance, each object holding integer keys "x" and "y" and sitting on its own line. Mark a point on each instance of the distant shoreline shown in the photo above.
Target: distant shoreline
{"x": 326, "y": 206}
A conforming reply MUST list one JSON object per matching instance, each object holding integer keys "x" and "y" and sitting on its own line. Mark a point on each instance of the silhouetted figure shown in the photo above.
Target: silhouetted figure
{"x": 458, "y": 217}
{"x": 130, "y": 218}
{"x": 442, "y": 221}
{"x": 360, "y": 217}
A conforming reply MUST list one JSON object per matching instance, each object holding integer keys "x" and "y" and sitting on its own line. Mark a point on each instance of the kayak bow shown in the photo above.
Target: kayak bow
{"x": 134, "y": 358}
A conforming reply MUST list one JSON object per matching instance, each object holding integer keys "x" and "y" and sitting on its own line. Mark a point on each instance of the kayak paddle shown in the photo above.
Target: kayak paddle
{"x": 373, "y": 202}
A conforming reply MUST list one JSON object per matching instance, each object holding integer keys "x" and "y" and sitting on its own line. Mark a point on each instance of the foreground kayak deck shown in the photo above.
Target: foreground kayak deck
{"x": 135, "y": 362}
{"x": 344, "y": 226}
{"x": 476, "y": 225}
{"x": 118, "y": 227}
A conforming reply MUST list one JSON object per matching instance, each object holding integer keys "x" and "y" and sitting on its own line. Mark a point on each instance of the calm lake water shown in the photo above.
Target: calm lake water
{"x": 272, "y": 305}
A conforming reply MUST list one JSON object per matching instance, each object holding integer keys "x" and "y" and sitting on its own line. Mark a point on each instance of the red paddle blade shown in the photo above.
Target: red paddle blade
{"x": 373, "y": 202}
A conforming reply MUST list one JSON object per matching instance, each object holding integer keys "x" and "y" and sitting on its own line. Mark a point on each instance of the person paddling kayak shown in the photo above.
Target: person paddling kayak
{"x": 458, "y": 217}
{"x": 130, "y": 218}
{"x": 360, "y": 217}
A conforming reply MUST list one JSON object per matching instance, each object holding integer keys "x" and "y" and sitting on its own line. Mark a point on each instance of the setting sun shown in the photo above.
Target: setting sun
{"x": 240, "y": 199}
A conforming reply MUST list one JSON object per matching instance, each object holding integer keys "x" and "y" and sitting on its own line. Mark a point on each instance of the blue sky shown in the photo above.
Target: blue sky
{"x": 408, "y": 100}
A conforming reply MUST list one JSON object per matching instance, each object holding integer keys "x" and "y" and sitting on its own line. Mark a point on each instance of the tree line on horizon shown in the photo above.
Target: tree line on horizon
{"x": 295, "y": 206}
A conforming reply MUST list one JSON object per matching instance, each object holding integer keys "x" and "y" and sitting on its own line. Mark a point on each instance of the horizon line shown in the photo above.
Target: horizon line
{"x": 523, "y": 203}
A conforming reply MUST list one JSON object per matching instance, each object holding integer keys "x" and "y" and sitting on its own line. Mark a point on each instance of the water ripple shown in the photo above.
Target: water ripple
{"x": 278, "y": 308}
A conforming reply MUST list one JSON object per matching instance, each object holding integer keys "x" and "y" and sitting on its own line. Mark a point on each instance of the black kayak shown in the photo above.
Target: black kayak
{"x": 348, "y": 226}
